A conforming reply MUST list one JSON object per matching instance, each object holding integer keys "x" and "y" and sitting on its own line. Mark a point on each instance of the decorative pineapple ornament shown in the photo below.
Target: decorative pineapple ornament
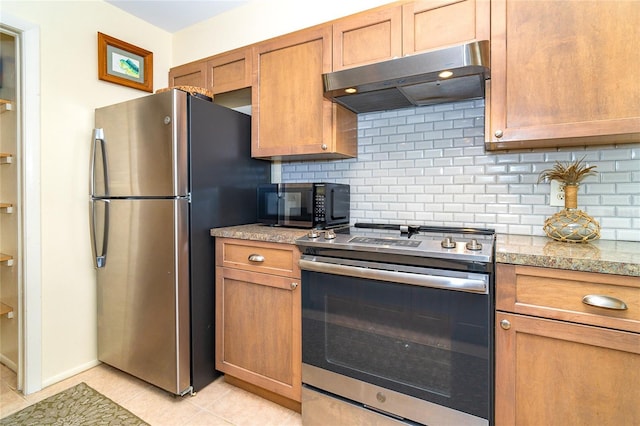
{"x": 570, "y": 224}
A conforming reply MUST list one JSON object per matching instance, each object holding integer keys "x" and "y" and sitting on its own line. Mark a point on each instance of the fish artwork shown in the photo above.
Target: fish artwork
{"x": 130, "y": 68}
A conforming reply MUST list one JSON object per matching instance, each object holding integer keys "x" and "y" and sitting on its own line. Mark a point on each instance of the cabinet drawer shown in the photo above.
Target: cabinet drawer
{"x": 559, "y": 294}
{"x": 270, "y": 258}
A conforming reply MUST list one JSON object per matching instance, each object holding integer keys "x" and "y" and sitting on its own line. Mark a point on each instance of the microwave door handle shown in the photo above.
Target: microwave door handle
{"x": 100, "y": 258}
{"x": 98, "y": 139}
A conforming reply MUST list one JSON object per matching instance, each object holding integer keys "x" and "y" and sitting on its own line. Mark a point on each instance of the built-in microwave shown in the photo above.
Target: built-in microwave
{"x": 304, "y": 205}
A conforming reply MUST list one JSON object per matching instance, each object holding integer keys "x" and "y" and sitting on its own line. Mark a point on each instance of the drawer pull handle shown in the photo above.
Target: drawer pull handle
{"x": 607, "y": 302}
{"x": 256, "y": 258}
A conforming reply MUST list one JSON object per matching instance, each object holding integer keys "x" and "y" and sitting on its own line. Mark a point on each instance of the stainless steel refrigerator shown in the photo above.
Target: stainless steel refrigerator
{"x": 165, "y": 169}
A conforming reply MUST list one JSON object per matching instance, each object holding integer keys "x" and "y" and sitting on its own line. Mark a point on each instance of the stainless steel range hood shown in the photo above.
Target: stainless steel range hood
{"x": 413, "y": 80}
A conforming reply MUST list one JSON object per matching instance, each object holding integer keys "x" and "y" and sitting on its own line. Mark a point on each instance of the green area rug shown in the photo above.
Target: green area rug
{"x": 79, "y": 405}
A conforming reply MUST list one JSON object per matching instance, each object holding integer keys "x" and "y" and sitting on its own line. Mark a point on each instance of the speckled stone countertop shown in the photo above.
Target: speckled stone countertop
{"x": 609, "y": 257}
{"x": 257, "y": 232}
{"x": 605, "y": 256}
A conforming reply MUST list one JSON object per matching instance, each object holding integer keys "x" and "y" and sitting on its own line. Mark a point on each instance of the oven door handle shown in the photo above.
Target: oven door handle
{"x": 471, "y": 285}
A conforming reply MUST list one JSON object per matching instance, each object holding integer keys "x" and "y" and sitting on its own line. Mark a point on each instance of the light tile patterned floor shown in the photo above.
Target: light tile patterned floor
{"x": 217, "y": 404}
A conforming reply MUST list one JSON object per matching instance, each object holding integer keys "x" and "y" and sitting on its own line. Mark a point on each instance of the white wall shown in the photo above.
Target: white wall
{"x": 70, "y": 91}
{"x": 259, "y": 20}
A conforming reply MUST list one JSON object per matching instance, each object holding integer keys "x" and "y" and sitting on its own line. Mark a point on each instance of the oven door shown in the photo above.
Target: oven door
{"x": 424, "y": 339}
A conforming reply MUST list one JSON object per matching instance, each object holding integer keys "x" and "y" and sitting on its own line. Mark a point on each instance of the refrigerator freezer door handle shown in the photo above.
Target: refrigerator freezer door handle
{"x": 100, "y": 258}
{"x": 98, "y": 137}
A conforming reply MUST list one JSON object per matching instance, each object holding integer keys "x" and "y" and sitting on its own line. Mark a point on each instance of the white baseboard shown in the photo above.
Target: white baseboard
{"x": 9, "y": 363}
{"x": 69, "y": 373}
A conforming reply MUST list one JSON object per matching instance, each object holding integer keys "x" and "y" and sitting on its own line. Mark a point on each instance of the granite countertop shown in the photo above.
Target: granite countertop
{"x": 604, "y": 256}
{"x": 258, "y": 232}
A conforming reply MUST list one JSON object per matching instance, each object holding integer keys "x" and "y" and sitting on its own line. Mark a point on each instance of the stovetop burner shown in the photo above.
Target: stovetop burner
{"x": 464, "y": 244}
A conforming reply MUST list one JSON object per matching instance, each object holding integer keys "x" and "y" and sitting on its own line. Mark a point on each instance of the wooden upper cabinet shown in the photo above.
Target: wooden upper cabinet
{"x": 407, "y": 28}
{"x": 191, "y": 74}
{"x": 563, "y": 73}
{"x": 221, "y": 73}
{"x": 367, "y": 38}
{"x": 290, "y": 116}
{"x": 230, "y": 71}
{"x": 433, "y": 24}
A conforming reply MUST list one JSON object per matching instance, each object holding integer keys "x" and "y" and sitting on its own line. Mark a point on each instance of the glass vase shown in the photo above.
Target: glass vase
{"x": 570, "y": 224}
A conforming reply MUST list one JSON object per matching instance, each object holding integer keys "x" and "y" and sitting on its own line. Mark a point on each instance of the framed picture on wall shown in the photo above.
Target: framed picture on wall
{"x": 125, "y": 64}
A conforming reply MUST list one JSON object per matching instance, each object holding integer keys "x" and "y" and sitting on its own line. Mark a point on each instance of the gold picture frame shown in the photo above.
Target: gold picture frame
{"x": 125, "y": 64}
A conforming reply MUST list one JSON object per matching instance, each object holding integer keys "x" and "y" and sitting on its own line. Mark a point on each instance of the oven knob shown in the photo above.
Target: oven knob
{"x": 474, "y": 245}
{"x": 448, "y": 243}
{"x": 329, "y": 235}
{"x": 313, "y": 234}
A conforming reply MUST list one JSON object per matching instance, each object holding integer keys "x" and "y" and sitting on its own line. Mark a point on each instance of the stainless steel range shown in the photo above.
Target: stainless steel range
{"x": 397, "y": 325}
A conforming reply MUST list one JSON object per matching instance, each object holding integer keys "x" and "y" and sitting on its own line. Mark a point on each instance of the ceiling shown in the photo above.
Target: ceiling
{"x": 175, "y": 15}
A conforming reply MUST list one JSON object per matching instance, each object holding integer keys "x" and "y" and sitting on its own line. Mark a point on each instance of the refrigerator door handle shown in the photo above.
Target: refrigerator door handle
{"x": 101, "y": 257}
{"x": 98, "y": 137}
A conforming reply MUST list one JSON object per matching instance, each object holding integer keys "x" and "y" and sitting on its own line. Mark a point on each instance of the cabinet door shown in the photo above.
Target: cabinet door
{"x": 563, "y": 73}
{"x": 432, "y": 24}
{"x": 191, "y": 74}
{"x": 556, "y": 373}
{"x": 291, "y": 119}
{"x": 258, "y": 330}
{"x": 367, "y": 37}
{"x": 229, "y": 71}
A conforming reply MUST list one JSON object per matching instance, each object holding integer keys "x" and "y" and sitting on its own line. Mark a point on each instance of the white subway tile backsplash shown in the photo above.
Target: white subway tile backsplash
{"x": 427, "y": 165}
{"x": 626, "y": 188}
{"x": 616, "y": 222}
{"x": 506, "y": 178}
{"x": 617, "y": 200}
{"x": 631, "y": 166}
{"x": 594, "y": 188}
{"x": 520, "y": 209}
{"x": 620, "y": 153}
{"x": 630, "y": 211}
{"x": 522, "y": 230}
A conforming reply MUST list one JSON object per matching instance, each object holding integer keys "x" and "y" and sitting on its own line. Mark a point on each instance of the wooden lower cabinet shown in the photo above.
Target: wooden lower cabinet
{"x": 560, "y": 371}
{"x": 258, "y": 318}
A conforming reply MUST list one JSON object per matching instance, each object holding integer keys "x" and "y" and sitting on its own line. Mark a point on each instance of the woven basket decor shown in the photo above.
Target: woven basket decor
{"x": 190, "y": 89}
{"x": 572, "y": 226}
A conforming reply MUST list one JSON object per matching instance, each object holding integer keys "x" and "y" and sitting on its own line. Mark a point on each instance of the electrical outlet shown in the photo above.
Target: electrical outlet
{"x": 556, "y": 198}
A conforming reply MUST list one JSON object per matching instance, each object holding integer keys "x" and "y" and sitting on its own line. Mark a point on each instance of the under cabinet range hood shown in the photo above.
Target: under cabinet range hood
{"x": 445, "y": 75}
